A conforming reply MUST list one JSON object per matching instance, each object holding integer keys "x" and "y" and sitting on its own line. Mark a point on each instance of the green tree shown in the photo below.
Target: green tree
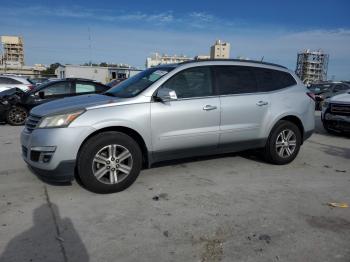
{"x": 51, "y": 69}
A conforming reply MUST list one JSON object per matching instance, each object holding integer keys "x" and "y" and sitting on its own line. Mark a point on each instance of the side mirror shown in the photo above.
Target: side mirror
{"x": 42, "y": 94}
{"x": 166, "y": 94}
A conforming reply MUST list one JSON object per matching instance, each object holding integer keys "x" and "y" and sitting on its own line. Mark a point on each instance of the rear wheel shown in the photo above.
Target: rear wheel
{"x": 109, "y": 162}
{"x": 16, "y": 115}
{"x": 283, "y": 144}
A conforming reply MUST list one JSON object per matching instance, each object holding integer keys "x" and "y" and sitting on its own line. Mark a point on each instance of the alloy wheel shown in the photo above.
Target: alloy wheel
{"x": 17, "y": 115}
{"x": 112, "y": 164}
{"x": 286, "y": 143}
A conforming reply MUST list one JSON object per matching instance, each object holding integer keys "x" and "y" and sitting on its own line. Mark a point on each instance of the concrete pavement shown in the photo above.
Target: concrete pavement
{"x": 228, "y": 208}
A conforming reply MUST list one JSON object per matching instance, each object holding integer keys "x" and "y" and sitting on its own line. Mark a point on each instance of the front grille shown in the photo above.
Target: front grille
{"x": 340, "y": 109}
{"x": 31, "y": 122}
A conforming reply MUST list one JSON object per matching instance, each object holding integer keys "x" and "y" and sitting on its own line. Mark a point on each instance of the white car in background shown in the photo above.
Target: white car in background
{"x": 9, "y": 81}
{"x": 336, "y": 113}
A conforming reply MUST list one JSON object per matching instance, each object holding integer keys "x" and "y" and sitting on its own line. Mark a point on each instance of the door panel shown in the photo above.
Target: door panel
{"x": 184, "y": 124}
{"x": 243, "y": 109}
{"x": 242, "y": 117}
{"x": 191, "y": 120}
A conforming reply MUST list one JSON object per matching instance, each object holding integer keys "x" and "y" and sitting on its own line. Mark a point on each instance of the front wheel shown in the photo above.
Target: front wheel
{"x": 109, "y": 162}
{"x": 283, "y": 144}
{"x": 16, "y": 115}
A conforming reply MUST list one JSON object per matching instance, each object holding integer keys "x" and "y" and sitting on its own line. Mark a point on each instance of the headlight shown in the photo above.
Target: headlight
{"x": 62, "y": 120}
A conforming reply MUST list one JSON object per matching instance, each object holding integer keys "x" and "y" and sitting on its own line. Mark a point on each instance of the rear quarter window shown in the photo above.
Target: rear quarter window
{"x": 271, "y": 80}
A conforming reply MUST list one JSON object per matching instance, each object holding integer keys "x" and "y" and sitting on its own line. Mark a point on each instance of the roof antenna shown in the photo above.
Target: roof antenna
{"x": 262, "y": 59}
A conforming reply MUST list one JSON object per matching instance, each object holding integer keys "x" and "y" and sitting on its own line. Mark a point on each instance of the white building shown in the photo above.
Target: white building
{"x": 312, "y": 66}
{"x": 97, "y": 73}
{"x": 17, "y": 69}
{"x": 11, "y": 50}
{"x": 157, "y": 59}
{"x": 220, "y": 50}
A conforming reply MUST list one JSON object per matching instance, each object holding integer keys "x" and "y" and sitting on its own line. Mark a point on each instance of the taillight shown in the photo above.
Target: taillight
{"x": 31, "y": 87}
{"x": 311, "y": 95}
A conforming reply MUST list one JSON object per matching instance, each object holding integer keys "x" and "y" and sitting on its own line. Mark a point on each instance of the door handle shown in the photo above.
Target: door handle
{"x": 262, "y": 103}
{"x": 209, "y": 107}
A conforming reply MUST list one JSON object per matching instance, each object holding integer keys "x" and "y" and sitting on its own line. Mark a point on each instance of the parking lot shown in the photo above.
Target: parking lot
{"x": 226, "y": 208}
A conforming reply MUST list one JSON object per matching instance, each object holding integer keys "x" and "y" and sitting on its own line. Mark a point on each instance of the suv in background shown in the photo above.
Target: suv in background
{"x": 8, "y": 81}
{"x": 326, "y": 90}
{"x": 336, "y": 114}
{"x": 168, "y": 112}
{"x": 50, "y": 91}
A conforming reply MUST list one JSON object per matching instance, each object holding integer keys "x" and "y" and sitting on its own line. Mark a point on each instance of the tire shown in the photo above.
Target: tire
{"x": 275, "y": 147}
{"x": 16, "y": 115}
{"x": 100, "y": 170}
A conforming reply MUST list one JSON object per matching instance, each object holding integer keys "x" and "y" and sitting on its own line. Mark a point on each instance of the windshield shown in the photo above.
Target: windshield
{"x": 136, "y": 84}
{"x": 321, "y": 88}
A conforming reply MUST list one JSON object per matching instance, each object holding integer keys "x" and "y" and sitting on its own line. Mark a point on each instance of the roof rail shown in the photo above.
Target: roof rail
{"x": 233, "y": 60}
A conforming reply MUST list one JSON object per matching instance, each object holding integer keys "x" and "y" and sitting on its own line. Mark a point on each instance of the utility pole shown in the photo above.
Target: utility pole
{"x": 90, "y": 45}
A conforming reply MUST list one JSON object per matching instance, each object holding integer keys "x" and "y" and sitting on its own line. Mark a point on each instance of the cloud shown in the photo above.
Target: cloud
{"x": 193, "y": 19}
{"x": 140, "y": 33}
{"x": 202, "y": 16}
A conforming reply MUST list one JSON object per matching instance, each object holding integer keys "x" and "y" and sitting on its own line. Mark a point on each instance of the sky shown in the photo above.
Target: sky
{"x": 75, "y": 32}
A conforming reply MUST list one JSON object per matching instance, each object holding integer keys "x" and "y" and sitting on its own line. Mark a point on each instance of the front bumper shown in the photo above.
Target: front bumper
{"x": 52, "y": 152}
{"x": 336, "y": 122}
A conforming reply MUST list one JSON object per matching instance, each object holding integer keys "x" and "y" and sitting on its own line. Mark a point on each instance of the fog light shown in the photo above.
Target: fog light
{"x": 47, "y": 158}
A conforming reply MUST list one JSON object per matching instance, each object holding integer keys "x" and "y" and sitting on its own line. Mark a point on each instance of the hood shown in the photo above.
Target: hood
{"x": 342, "y": 98}
{"x": 70, "y": 104}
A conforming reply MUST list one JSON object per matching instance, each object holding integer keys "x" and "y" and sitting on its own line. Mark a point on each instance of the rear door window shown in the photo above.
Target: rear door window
{"x": 84, "y": 87}
{"x": 235, "y": 80}
{"x": 271, "y": 80}
{"x": 57, "y": 89}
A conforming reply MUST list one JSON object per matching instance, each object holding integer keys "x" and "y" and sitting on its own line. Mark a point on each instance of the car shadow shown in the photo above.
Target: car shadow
{"x": 343, "y": 152}
{"x": 254, "y": 155}
{"x": 47, "y": 180}
{"x": 51, "y": 238}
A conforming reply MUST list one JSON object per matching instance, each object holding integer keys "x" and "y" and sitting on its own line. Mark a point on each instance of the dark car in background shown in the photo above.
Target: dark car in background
{"x": 50, "y": 91}
{"x": 326, "y": 90}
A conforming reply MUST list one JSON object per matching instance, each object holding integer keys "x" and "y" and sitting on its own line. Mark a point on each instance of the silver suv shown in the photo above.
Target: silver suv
{"x": 167, "y": 112}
